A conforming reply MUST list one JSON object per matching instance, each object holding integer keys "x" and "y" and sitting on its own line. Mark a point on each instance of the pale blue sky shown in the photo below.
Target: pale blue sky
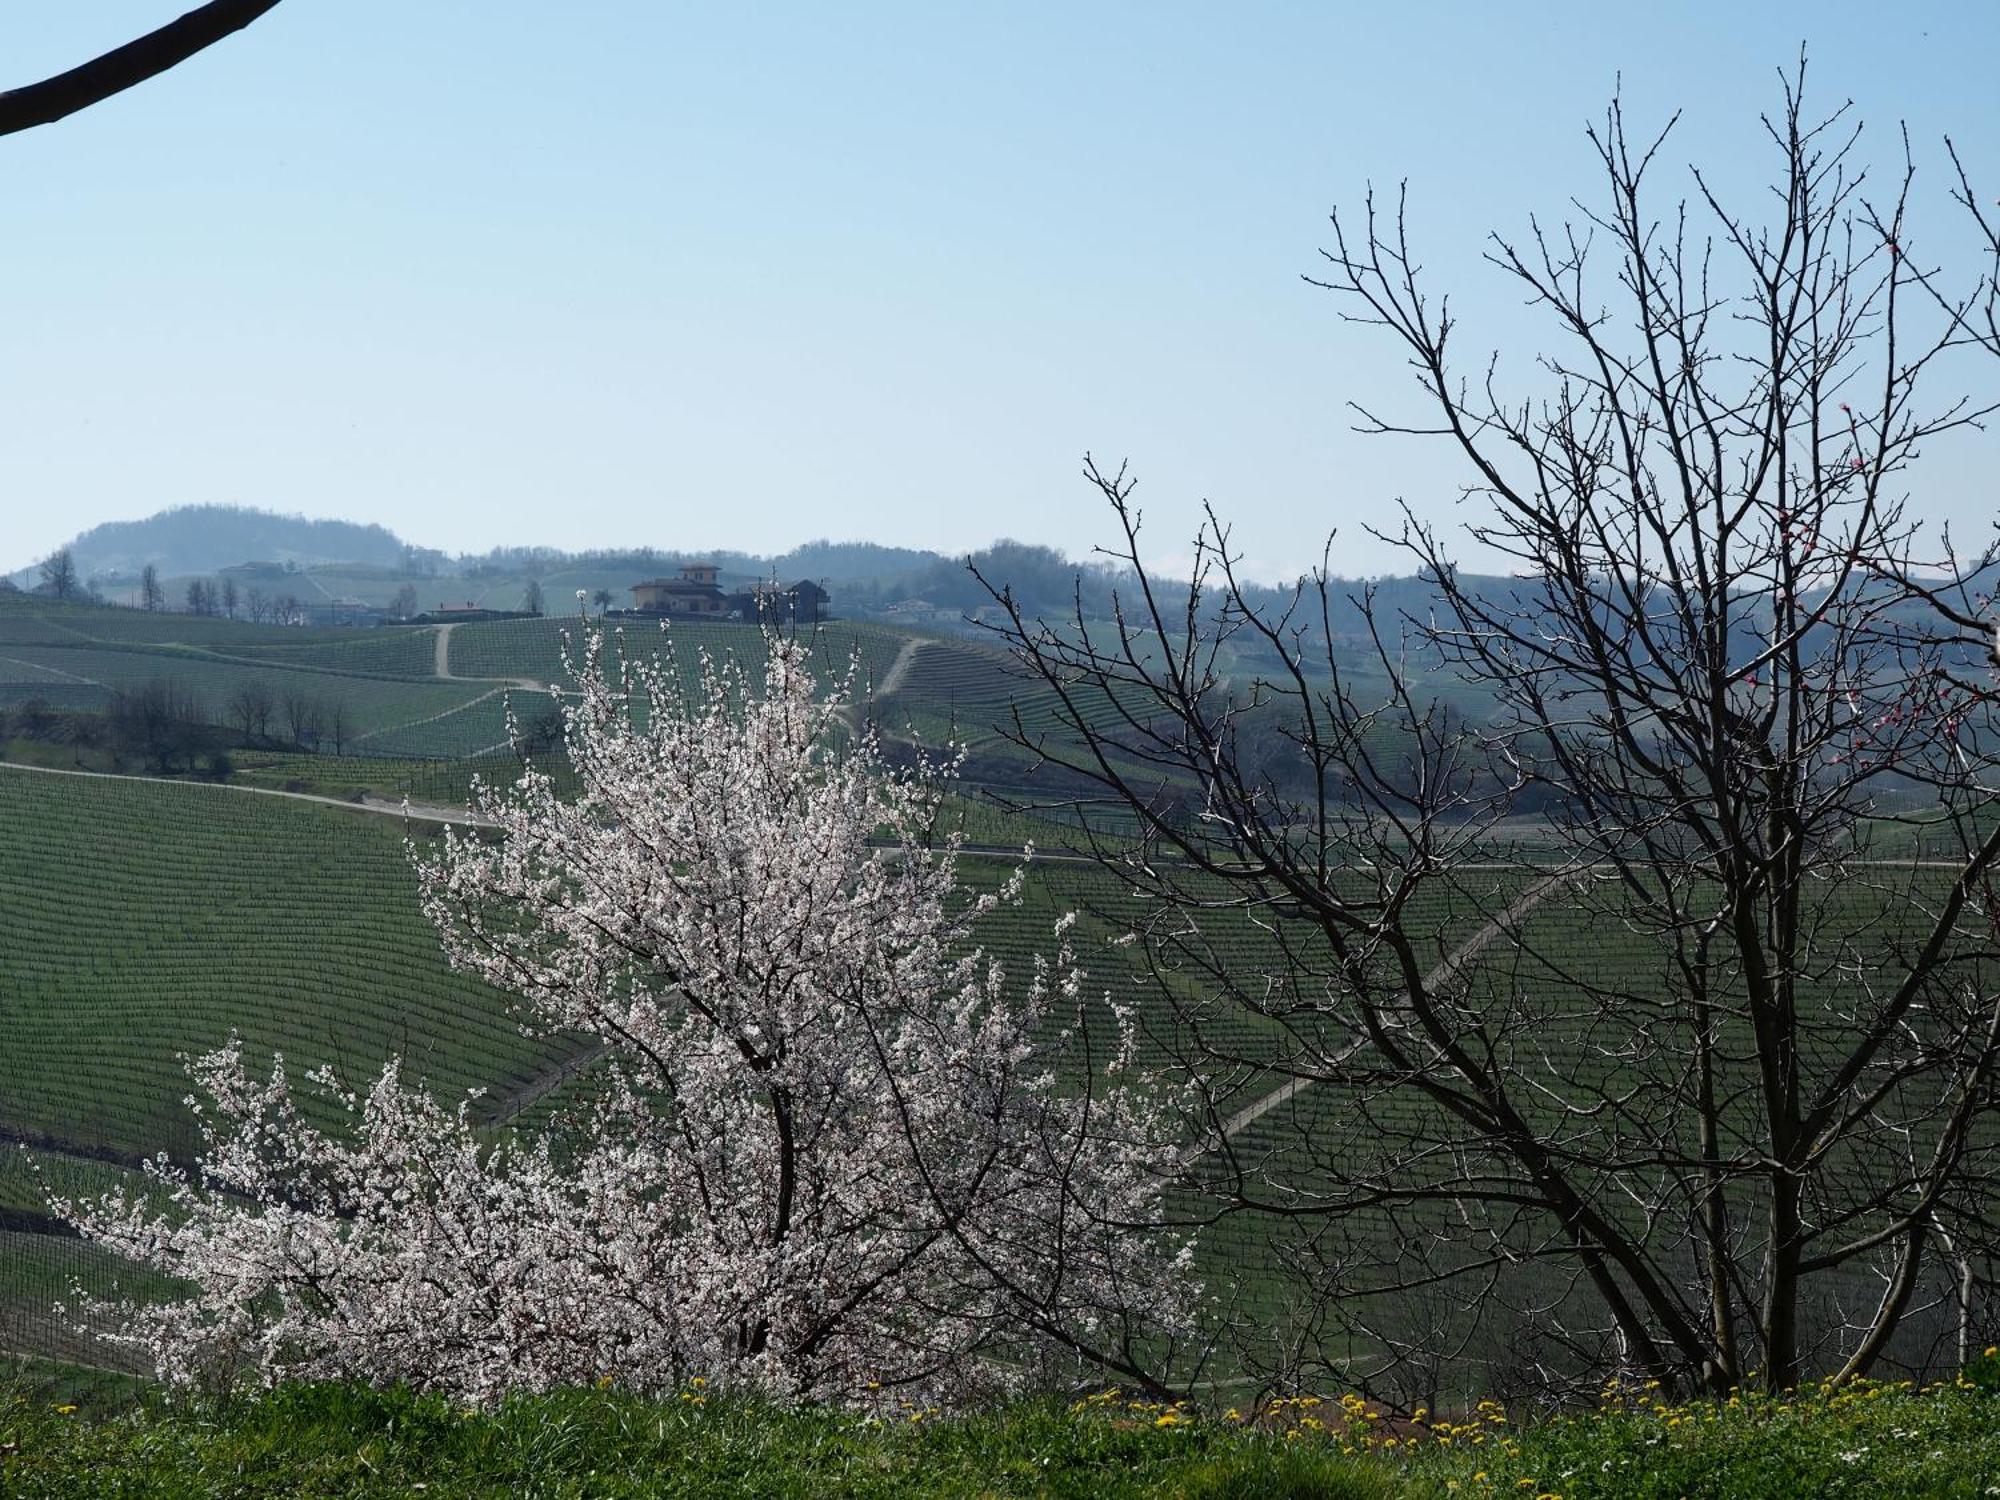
{"x": 619, "y": 272}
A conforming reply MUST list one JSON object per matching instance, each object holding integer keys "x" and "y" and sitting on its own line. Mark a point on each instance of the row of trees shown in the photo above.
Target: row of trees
{"x": 264, "y": 714}
{"x": 222, "y": 599}
{"x": 58, "y": 578}
{"x": 169, "y": 724}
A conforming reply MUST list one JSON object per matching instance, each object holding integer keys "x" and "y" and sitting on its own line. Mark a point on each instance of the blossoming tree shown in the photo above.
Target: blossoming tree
{"x": 836, "y": 1152}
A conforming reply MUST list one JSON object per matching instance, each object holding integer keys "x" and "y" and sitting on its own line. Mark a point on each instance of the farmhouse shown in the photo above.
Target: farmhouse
{"x": 693, "y": 593}
{"x": 802, "y": 600}
{"x": 696, "y": 592}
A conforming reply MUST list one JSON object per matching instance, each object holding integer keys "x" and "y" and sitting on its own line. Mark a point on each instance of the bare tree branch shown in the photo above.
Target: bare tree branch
{"x": 125, "y": 67}
{"x": 1711, "y": 1095}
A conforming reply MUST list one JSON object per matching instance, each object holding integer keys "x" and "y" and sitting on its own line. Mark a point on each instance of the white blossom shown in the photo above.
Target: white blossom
{"x": 837, "y": 1152}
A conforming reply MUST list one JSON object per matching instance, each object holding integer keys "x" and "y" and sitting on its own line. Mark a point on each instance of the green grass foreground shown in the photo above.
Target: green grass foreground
{"x": 59, "y": 1440}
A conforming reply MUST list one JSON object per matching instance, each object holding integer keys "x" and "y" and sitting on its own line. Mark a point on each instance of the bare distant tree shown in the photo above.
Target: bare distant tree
{"x": 229, "y": 597}
{"x": 251, "y": 707}
{"x": 531, "y": 597}
{"x": 151, "y": 594}
{"x": 256, "y": 605}
{"x": 1695, "y": 1076}
{"x": 405, "y": 603}
{"x": 334, "y": 728}
{"x": 304, "y": 717}
{"x": 160, "y": 720}
{"x": 55, "y": 98}
{"x": 200, "y": 597}
{"x": 59, "y": 576}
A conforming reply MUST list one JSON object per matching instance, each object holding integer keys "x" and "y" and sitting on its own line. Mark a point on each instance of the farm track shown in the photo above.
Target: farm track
{"x": 456, "y": 708}
{"x": 421, "y": 812}
{"x": 432, "y": 812}
{"x": 1454, "y": 963}
{"x": 441, "y": 669}
{"x": 58, "y": 672}
{"x": 509, "y": 1106}
{"x": 899, "y": 669}
{"x": 39, "y": 1145}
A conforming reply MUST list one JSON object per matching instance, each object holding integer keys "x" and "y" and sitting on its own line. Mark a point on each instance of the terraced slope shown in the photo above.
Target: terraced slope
{"x": 140, "y": 921}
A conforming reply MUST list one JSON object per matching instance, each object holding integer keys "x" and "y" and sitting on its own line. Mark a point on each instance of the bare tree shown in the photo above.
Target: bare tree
{"x": 160, "y": 720}
{"x": 59, "y": 576}
{"x": 229, "y": 597}
{"x": 251, "y": 707}
{"x": 1694, "y": 1075}
{"x": 151, "y": 595}
{"x": 531, "y": 597}
{"x": 303, "y": 716}
{"x": 405, "y": 603}
{"x": 97, "y": 80}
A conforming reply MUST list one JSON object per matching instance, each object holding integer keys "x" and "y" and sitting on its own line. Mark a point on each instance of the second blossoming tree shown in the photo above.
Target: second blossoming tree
{"x": 835, "y": 1151}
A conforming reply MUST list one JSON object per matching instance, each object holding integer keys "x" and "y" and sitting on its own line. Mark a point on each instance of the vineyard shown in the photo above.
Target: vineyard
{"x": 425, "y": 694}
{"x": 144, "y": 920}
{"x": 147, "y": 920}
{"x": 534, "y": 649}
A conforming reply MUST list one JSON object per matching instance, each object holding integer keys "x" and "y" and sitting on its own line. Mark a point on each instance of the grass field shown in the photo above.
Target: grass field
{"x": 67, "y": 1433}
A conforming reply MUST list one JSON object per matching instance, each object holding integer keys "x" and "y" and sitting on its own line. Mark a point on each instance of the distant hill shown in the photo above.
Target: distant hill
{"x": 197, "y": 539}
{"x": 326, "y": 561}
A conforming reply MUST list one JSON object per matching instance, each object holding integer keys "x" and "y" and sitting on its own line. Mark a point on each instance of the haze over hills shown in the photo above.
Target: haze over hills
{"x": 369, "y": 565}
{"x": 190, "y": 540}
{"x": 203, "y": 538}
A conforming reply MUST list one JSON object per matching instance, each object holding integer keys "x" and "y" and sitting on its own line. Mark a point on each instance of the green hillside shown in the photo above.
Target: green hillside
{"x": 141, "y": 920}
{"x": 428, "y": 692}
{"x": 144, "y": 920}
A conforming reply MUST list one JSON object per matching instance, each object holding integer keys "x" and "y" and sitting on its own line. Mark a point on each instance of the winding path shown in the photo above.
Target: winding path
{"x": 421, "y": 812}
{"x": 899, "y": 669}
{"x": 1454, "y": 963}
{"x": 441, "y": 669}
{"x": 56, "y": 672}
